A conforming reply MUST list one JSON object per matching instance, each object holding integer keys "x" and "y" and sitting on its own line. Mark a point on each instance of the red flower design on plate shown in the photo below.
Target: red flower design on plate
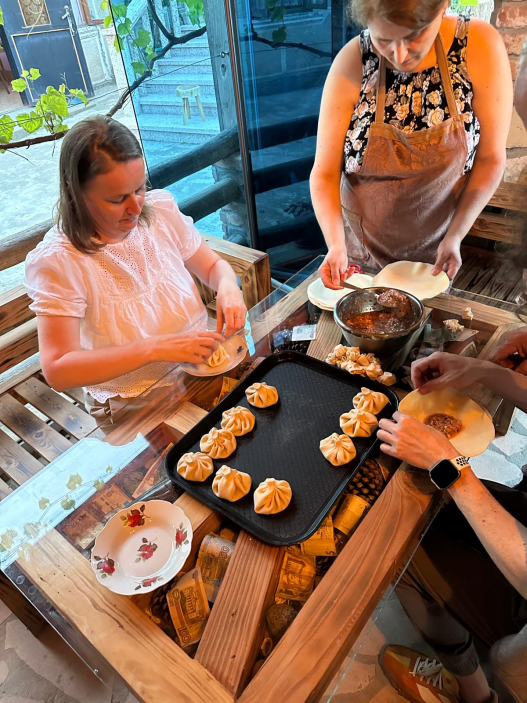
{"x": 134, "y": 517}
{"x": 146, "y": 550}
{"x": 181, "y": 536}
{"x": 106, "y": 565}
{"x": 148, "y": 582}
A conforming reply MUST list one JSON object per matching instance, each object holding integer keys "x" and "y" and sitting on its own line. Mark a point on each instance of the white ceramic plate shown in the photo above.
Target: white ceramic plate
{"x": 413, "y": 277}
{"x": 236, "y": 348}
{"x": 326, "y": 298}
{"x": 142, "y": 547}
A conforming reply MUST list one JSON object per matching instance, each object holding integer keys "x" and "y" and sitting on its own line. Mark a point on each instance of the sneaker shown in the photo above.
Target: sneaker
{"x": 416, "y": 677}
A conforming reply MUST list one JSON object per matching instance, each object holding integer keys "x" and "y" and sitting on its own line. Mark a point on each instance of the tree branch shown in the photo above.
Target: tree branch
{"x": 164, "y": 31}
{"x": 171, "y": 43}
{"x": 32, "y": 140}
{"x": 288, "y": 45}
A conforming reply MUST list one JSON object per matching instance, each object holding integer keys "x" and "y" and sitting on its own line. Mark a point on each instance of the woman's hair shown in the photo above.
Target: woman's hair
{"x": 414, "y": 14}
{"x": 91, "y": 147}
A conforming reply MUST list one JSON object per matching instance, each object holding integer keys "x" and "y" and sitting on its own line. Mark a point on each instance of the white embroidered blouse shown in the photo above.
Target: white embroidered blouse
{"x": 131, "y": 290}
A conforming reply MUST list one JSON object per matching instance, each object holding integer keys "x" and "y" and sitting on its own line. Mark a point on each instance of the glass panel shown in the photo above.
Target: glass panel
{"x": 35, "y": 12}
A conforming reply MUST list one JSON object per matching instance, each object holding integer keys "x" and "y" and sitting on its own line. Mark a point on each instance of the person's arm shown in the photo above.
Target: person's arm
{"x": 219, "y": 275}
{"x": 66, "y": 365}
{"x": 504, "y": 538}
{"x": 341, "y": 93}
{"x": 489, "y": 68}
{"x": 441, "y": 370}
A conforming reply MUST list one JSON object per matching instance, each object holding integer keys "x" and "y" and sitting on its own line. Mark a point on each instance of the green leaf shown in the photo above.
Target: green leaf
{"x": 139, "y": 68}
{"x": 32, "y": 529}
{"x": 107, "y": 21}
{"x": 7, "y": 127}
{"x": 29, "y": 123}
{"x": 109, "y": 469}
{"x": 74, "y": 481}
{"x": 68, "y": 504}
{"x": 1, "y": 17}
{"x": 34, "y": 73}
{"x": 19, "y": 84}
{"x": 277, "y": 15}
{"x": 43, "y": 503}
{"x": 6, "y": 541}
{"x": 150, "y": 55}
{"x": 62, "y": 89}
{"x": 143, "y": 39}
{"x": 270, "y": 4}
{"x": 119, "y": 10}
{"x": 122, "y": 30}
{"x": 117, "y": 44}
{"x": 98, "y": 485}
{"x": 58, "y": 104}
{"x": 61, "y": 128}
{"x": 24, "y": 74}
{"x": 79, "y": 94}
{"x": 279, "y": 35}
{"x": 104, "y": 5}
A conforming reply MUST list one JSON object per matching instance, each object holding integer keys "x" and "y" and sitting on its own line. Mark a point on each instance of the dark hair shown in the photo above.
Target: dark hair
{"x": 91, "y": 147}
{"x": 414, "y": 14}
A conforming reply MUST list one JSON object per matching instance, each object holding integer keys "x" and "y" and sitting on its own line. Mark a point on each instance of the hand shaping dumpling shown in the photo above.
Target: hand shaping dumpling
{"x": 338, "y": 449}
{"x": 230, "y": 484}
{"x": 219, "y": 356}
{"x": 358, "y": 423}
{"x": 219, "y": 444}
{"x": 261, "y": 395}
{"x": 272, "y": 496}
{"x": 195, "y": 466}
{"x": 238, "y": 420}
{"x": 370, "y": 401}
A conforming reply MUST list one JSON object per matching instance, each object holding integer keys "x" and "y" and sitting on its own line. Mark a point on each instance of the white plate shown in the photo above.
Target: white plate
{"x": 326, "y": 298}
{"x": 142, "y": 547}
{"x": 236, "y": 348}
{"x": 413, "y": 277}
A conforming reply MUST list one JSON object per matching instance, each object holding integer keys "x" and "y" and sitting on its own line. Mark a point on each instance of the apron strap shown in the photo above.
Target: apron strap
{"x": 445, "y": 78}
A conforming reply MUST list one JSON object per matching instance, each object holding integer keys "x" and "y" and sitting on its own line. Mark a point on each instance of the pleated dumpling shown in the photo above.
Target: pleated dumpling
{"x": 219, "y": 356}
{"x": 272, "y": 496}
{"x": 238, "y": 420}
{"x": 370, "y": 401}
{"x": 219, "y": 444}
{"x": 230, "y": 484}
{"x": 338, "y": 449}
{"x": 261, "y": 395}
{"x": 195, "y": 466}
{"x": 358, "y": 423}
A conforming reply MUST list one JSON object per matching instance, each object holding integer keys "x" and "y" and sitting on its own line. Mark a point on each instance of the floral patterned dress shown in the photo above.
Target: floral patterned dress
{"x": 414, "y": 101}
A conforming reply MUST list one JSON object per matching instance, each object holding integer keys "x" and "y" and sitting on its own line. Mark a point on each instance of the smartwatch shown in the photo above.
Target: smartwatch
{"x": 447, "y": 471}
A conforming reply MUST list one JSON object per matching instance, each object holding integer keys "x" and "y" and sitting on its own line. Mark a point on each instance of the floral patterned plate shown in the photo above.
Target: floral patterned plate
{"x": 142, "y": 547}
{"x": 236, "y": 348}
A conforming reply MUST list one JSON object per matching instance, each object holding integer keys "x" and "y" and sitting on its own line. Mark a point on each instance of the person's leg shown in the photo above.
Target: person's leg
{"x": 509, "y": 660}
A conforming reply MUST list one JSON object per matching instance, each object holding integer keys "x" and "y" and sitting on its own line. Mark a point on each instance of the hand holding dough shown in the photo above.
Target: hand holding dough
{"x": 219, "y": 356}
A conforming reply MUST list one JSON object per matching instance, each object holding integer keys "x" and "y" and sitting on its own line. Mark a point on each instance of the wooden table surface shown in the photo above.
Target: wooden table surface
{"x": 304, "y": 662}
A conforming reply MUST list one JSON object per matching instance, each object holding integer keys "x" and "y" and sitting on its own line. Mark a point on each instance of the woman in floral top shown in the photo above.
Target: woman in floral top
{"x": 411, "y": 139}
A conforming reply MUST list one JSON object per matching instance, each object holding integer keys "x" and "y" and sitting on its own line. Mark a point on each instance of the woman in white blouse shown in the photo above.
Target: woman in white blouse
{"x": 111, "y": 283}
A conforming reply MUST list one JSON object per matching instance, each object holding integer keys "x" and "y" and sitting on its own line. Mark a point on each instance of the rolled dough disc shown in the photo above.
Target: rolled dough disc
{"x": 478, "y": 430}
{"x": 413, "y": 277}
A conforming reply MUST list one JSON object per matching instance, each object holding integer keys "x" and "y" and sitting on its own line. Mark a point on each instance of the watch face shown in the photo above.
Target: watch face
{"x": 444, "y": 474}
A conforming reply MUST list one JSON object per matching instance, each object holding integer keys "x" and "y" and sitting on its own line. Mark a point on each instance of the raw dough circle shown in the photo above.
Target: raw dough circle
{"x": 478, "y": 429}
{"x": 413, "y": 277}
{"x": 325, "y": 297}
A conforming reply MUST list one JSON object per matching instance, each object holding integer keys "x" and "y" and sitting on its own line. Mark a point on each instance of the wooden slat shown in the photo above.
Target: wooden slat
{"x": 17, "y": 374}
{"x": 42, "y": 438}
{"x": 18, "y": 344}
{"x": 77, "y": 394}
{"x": 484, "y": 313}
{"x": 20, "y": 606}
{"x": 235, "y": 628}
{"x": 4, "y": 489}
{"x": 16, "y": 247}
{"x": 68, "y": 416}
{"x": 304, "y": 662}
{"x": 14, "y": 308}
{"x": 15, "y": 461}
{"x": 511, "y": 196}
{"x": 498, "y": 227}
{"x": 328, "y": 336}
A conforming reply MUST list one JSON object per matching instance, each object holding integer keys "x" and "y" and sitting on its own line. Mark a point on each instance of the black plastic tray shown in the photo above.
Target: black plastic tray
{"x": 285, "y": 445}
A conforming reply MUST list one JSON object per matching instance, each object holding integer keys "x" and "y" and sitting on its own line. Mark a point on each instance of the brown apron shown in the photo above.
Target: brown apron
{"x": 399, "y": 205}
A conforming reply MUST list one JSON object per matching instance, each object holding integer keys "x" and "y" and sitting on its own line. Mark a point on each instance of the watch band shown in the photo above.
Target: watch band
{"x": 460, "y": 462}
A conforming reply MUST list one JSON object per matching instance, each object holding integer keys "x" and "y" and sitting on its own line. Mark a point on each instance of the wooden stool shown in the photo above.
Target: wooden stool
{"x": 186, "y": 92}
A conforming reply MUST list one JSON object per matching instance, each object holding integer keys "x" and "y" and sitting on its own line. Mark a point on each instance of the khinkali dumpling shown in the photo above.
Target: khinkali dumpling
{"x": 261, "y": 395}
{"x": 219, "y": 356}
{"x": 230, "y": 484}
{"x": 358, "y": 423}
{"x": 272, "y": 496}
{"x": 370, "y": 401}
{"x": 218, "y": 444}
{"x": 338, "y": 449}
{"x": 238, "y": 420}
{"x": 195, "y": 466}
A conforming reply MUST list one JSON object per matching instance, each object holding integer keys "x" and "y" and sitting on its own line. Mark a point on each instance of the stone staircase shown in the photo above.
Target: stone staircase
{"x": 160, "y": 111}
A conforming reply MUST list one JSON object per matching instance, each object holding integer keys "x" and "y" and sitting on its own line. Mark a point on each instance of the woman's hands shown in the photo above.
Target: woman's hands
{"x": 442, "y": 370}
{"x": 189, "y": 347}
{"x": 410, "y": 440}
{"x": 230, "y": 308}
{"x": 448, "y": 257}
{"x": 335, "y": 267}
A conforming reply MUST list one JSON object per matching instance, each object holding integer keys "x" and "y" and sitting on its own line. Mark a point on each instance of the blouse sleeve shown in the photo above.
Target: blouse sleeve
{"x": 54, "y": 282}
{"x": 180, "y": 227}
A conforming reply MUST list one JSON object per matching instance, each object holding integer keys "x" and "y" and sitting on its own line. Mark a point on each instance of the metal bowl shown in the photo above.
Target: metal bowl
{"x": 382, "y": 345}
